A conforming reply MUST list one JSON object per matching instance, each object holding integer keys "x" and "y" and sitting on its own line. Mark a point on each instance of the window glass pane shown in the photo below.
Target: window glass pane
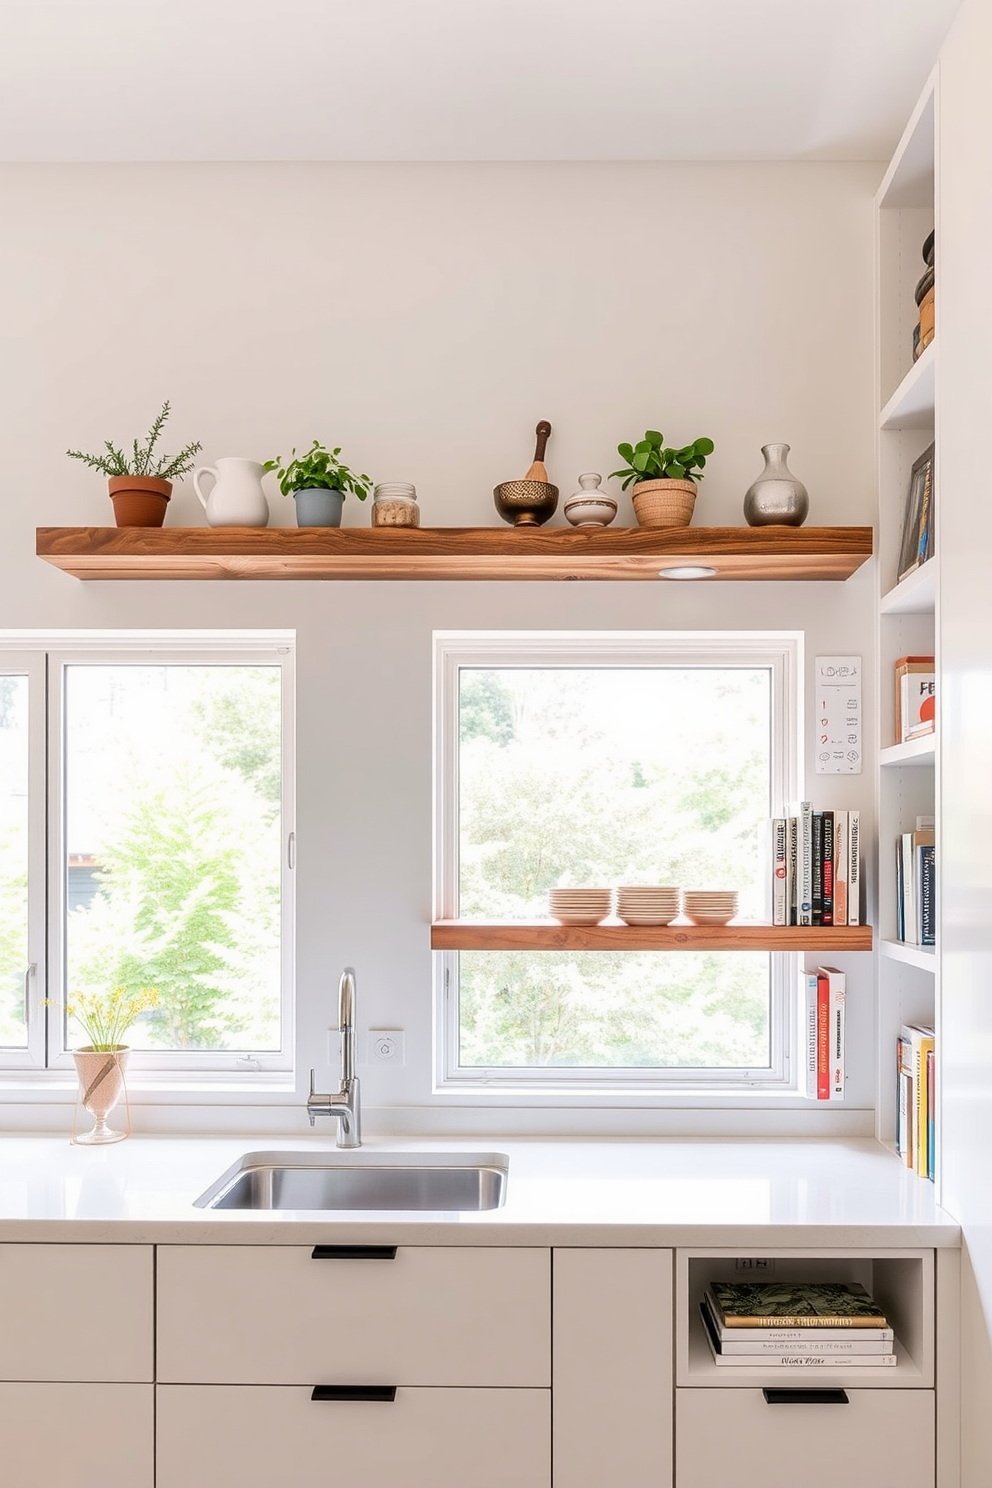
{"x": 606, "y": 1010}
{"x": 13, "y": 859}
{"x": 596, "y": 776}
{"x": 172, "y": 806}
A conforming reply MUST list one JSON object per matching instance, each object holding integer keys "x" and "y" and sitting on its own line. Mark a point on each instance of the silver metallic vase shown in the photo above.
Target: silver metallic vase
{"x": 776, "y": 498}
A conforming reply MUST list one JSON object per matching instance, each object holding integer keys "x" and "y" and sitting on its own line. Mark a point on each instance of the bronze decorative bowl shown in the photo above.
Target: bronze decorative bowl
{"x": 526, "y": 503}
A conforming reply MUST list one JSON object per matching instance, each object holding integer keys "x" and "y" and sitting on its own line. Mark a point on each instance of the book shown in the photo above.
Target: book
{"x": 854, "y": 867}
{"x": 915, "y": 703}
{"x": 776, "y": 860}
{"x": 921, "y": 1039}
{"x": 792, "y": 832}
{"x": 840, "y": 867}
{"x": 926, "y": 916}
{"x": 822, "y": 1036}
{"x": 856, "y": 1339}
{"x": 905, "y": 1102}
{"x": 789, "y": 1356}
{"x": 910, "y": 848}
{"x": 816, "y": 868}
{"x": 803, "y": 812}
{"x": 837, "y": 997}
{"x": 931, "y": 1109}
{"x": 808, "y": 987}
{"x": 827, "y": 871}
{"x": 793, "y": 1304}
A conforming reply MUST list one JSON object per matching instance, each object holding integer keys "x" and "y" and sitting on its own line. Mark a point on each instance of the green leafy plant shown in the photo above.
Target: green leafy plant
{"x": 141, "y": 459}
{"x": 318, "y": 469}
{"x": 650, "y": 459}
{"x": 106, "y": 1017}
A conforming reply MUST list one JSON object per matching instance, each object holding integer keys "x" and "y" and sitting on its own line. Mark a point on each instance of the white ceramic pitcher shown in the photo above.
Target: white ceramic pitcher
{"x": 236, "y": 497}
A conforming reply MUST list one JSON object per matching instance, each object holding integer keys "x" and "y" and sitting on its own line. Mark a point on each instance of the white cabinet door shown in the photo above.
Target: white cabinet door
{"x": 255, "y": 1314}
{"x": 240, "y": 1436}
{"x": 77, "y": 1436}
{"x": 76, "y": 1312}
{"x": 880, "y": 1439}
{"x": 612, "y": 1375}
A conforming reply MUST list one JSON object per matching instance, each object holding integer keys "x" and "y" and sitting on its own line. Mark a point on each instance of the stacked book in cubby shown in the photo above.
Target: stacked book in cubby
{"x": 915, "y": 1100}
{"x": 916, "y": 885}
{"x": 813, "y": 874}
{"x": 795, "y": 1325}
{"x": 823, "y": 994}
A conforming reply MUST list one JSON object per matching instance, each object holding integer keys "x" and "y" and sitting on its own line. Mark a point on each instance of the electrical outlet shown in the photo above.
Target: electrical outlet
{"x": 386, "y": 1046}
{"x": 758, "y": 1265}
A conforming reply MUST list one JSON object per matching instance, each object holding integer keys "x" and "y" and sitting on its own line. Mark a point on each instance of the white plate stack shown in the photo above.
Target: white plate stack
{"x": 709, "y": 906}
{"x": 647, "y": 906}
{"x": 580, "y": 906}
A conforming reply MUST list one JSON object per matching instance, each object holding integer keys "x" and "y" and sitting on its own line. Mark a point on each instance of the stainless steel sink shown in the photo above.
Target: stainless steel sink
{"x": 394, "y": 1181}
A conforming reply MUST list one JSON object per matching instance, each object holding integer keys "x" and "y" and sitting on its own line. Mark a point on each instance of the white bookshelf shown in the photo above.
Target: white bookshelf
{"x": 908, "y": 979}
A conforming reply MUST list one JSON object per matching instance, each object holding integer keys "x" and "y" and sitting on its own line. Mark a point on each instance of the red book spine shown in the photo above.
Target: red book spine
{"x": 822, "y": 1038}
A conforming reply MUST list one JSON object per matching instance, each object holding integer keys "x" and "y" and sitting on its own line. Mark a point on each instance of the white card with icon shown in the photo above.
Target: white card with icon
{"x": 837, "y": 720}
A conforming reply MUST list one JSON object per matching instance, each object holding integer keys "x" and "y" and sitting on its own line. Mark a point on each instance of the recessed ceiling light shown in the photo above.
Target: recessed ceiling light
{"x": 687, "y": 571}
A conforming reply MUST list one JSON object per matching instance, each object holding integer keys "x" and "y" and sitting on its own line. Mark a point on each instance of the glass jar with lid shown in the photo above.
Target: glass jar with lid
{"x": 394, "y": 504}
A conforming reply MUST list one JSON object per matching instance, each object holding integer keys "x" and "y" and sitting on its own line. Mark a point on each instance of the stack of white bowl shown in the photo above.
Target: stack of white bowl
{"x": 580, "y": 906}
{"x": 709, "y": 906}
{"x": 647, "y": 906}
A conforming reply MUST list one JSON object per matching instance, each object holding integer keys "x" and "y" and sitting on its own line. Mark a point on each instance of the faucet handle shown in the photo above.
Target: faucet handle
{"x": 313, "y": 1088}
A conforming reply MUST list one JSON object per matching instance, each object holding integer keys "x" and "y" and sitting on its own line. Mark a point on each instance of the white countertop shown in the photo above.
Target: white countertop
{"x": 782, "y": 1193}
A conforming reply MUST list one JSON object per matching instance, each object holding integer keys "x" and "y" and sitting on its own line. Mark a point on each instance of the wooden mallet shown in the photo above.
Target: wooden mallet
{"x": 537, "y": 471}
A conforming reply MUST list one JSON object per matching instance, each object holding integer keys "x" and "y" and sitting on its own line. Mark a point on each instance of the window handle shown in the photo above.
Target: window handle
{"x": 291, "y": 850}
{"x": 29, "y": 973}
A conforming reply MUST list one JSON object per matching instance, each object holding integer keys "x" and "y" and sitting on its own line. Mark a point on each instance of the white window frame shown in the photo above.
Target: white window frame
{"x": 782, "y": 653}
{"x": 49, "y": 655}
{"x": 32, "y": 665}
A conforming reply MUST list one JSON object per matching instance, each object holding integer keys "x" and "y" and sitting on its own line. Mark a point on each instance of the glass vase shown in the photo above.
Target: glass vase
{"x": 101, "y": 1083}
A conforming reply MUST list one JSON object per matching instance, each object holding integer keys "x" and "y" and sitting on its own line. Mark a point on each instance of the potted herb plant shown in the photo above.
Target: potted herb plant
{"x": 664, "y": 479}
{"x": 102, "y": 1062}
{"x": 319, "y": 483}
{"x": 140, "y": 482}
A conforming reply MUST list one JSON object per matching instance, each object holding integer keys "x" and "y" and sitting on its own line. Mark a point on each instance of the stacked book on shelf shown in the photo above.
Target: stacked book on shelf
{"x": 915, "y": 1108}
{"x": 795, "y": 1325}
{"x": 916, "y": 885}
{"x": 813, "y": 874}
{"x": 822, "y": 1019}
{"x": 916, "y": 703}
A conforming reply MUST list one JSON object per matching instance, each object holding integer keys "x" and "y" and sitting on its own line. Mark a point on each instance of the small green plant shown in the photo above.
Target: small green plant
{"x": 106, "y": 1017}
{"x": 649, "y": 459}
{"x": 141, "y": 460}
{"x": 318, "y": 469}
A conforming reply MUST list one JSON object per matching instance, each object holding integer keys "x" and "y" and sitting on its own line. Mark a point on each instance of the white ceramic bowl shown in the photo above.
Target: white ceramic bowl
{"x": 590, "y": 511}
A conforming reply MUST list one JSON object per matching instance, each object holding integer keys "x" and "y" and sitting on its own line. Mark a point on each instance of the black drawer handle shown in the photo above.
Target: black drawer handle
{"x": 353, "y": 1392}
{"x": 353, "y": 1253}
{"x": 806, "y": 1397}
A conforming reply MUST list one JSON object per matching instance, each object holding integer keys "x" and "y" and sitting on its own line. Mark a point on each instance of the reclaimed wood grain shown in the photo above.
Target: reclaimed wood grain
{"x": 478, "y": 935}
{"x": 466, "y": 553}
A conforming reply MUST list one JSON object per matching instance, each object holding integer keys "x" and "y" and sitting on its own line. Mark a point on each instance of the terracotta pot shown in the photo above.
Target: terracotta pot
{"x": 139, "y": 500}
{"x": 101, "y": 1084}
{"x": 664, "y": 503}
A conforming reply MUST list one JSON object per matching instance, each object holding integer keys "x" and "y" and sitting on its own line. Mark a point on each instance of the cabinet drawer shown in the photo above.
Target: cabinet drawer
{"x": 76, "y": 1312}
{"x": 735, "y": 1436}
{"x": 244, "y": 1436}
{"x": 76, "y": 1436}
{"x": 234, "y": 1315}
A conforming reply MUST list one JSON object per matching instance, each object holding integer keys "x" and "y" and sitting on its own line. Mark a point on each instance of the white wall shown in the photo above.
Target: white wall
{"x": 425, "y": 317}
{"x": 964, "y": 544}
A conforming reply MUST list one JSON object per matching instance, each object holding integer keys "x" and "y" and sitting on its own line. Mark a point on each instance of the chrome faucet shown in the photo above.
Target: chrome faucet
{"x": 344, "y": 1103}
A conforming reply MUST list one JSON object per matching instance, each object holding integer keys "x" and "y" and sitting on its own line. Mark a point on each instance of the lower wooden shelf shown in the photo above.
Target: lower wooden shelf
{"x": 478, "y": 935}
{"x": 796, "y": 553}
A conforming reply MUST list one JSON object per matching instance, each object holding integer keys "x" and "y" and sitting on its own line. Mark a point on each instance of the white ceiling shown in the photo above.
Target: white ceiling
{"x": 461, "y": 79}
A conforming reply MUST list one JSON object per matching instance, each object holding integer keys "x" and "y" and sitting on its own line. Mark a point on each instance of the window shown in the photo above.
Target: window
{"x": 607, "y": 760}
{"x": 158, "y": 857}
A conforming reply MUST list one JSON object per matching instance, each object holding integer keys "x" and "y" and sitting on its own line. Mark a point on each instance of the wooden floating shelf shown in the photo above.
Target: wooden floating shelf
{"x": 478, "y": 935}
{"x": 794, "y": 553}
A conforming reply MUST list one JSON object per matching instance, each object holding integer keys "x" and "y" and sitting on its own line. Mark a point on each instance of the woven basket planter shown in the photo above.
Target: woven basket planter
{"x": 664, "y": 503}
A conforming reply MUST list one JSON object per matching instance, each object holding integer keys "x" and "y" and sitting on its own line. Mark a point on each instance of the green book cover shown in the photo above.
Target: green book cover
{"x": 795, "y": 1304}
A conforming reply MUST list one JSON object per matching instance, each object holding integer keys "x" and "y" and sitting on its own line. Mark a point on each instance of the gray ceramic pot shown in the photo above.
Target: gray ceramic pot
{"x": 316, "y": 507}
